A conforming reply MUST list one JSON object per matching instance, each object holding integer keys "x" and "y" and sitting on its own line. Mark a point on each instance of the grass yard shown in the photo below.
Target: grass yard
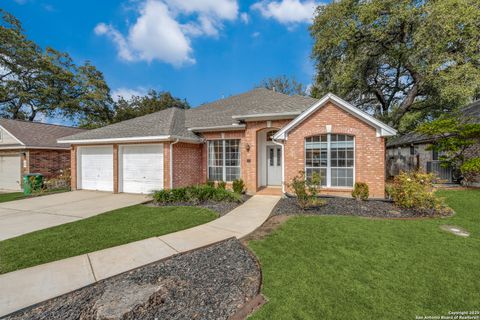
{"x": 4, "y": 197}
{"x": 332, "y": 267}
{"x": 99, "y": 232}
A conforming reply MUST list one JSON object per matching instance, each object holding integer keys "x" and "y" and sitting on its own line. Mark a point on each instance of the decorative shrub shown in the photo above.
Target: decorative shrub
{"x": 196, "y": 194}
{"x": 388, "y": 190}
{"x": 415, "y": 190}
{"x": 470, "y": 169}
{"x": 211, "y": 184}
{"x": 221, "y": 185}
{"x": 360, "y": 191}
{"x": 238, "y": 186}
{"x": 306, "y": 190}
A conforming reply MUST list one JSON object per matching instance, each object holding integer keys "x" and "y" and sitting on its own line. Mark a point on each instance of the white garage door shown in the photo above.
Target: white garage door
{"x": 10, "y": 172}
{"x": 96, "y": 168}
{"x": 141, "y": 168}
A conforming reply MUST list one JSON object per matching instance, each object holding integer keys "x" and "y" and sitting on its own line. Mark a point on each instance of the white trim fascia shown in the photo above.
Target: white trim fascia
{"x": 232, "y": 127}
{"x": 267, "y": 116}
{"x": 130, "y": 139}
{"x": 2, "y": 127}
{"x": 383, "y": 130}
{"x": 31, "y": 147}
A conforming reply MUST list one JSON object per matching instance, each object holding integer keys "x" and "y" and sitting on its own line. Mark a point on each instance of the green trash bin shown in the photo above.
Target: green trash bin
{"x": 32, "y": 182}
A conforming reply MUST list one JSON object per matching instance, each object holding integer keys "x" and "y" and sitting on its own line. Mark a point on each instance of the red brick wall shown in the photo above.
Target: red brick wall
{"x": 248, "y": 159}
{"x": 187, "y": 164}
{"x": 369, "y": 149}
{"x": 50, "y": 163}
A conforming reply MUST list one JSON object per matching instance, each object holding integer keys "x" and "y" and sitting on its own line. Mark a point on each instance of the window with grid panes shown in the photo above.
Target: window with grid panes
{"x": 224, "y": 160}
{"x": 332, "y": 157}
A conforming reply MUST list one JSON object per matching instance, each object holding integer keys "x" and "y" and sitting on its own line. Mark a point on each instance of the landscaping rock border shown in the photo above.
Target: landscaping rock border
{"x": 214, "y": 282}
{"x": 352, "y": 207}
{"x": 220, "y": 207}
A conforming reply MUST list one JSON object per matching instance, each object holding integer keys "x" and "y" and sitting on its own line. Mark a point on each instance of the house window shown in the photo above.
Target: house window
{"x": 412, "y": 150}
{"x": 223, "y": 160}
{"x": 332, "y": 157}
{"x": 434, "y": 155}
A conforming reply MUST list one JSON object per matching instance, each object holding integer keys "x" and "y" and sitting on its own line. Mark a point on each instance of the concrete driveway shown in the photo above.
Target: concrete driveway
{"x": 24, "y": 216}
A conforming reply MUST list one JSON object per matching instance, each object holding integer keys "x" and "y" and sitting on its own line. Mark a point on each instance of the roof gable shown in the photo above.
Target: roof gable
{"x": 383, "y": 130}
{"x": 37, "y": 134}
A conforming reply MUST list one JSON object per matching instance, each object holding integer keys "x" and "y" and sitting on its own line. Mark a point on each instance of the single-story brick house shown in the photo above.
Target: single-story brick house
{"x": 261, "y": 136}
{"x": 31, "y": 147}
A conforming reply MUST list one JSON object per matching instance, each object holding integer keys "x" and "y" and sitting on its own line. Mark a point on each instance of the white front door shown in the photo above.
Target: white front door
{"x": 141, "y": 168}
{"x": 96, "y": 168}
{"x": 10, "y": 172}
{"x": 274, "y": 165}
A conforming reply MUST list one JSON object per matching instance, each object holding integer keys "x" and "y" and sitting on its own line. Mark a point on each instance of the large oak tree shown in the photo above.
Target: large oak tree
{"x": 46, "y": 82}
{"x": 403, "y": 60}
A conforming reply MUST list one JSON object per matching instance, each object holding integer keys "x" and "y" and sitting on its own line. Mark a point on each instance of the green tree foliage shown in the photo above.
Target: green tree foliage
{"x": 398, "y": 57}
{"x": 453, "y": 134}
{"x": 137, "y": 106}
{"x": 35, "y": 81}
{"x": 283, "y": 84}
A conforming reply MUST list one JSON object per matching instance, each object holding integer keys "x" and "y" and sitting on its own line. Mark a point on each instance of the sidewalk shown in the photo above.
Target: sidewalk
{"x": 29, "y": 286}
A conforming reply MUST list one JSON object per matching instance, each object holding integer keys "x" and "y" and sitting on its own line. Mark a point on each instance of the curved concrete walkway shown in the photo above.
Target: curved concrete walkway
{"x": 22, "y": 288}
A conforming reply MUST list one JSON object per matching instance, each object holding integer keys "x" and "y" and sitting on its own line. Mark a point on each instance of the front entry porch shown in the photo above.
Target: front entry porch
{"x": 270, "y": 191}
{"x": 269, "y": 163}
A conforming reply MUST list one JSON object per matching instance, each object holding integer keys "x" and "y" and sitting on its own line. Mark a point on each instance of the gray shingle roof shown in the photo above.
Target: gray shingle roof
{"x": 257, "y": 101}
{"x": 175, "y": 122}
{"x": 162, "y": 123}
{"x": 36, "y": 134}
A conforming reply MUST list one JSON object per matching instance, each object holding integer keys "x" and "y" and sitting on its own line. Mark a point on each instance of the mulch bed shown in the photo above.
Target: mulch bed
{"x": 208, "y": 283}
{"x": 352, "y": 207}
{"x": 222, "y": 207}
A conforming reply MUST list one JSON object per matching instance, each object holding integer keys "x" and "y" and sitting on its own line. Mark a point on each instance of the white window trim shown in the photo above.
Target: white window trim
{"x": 329, "y": 167}
{"x": 224, "y": 166}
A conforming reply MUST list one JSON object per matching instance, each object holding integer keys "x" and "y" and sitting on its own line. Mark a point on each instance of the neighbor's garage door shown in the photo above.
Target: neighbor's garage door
{"x": 141, "y": 168}
{"x": 96, "y": 168}
{"x": 10, "y": 172}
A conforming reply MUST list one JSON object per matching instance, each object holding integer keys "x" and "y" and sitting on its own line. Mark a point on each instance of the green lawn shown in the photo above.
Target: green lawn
{"x": 332, "y": 267}
{"x": 4, "y": 197}
{"x": 99, "y": 232}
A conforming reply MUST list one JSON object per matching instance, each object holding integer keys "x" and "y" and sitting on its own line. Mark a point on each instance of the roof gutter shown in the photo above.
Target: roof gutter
{"x": 33, "y": 147}
{"x": 218, "y": 128}
{"x": 267, "y": 116}
{"x": 130, "y": 139}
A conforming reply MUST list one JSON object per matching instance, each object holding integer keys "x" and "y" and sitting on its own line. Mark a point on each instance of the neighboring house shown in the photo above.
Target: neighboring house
{"x": 31, "y": 147}
{"x": 261, "y": 136}
{"x": 411, "y": 151}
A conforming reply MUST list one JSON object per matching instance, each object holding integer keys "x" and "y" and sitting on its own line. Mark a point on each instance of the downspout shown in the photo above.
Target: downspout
{"x": 171, "y": 162}
{"x": 283, "y": 163}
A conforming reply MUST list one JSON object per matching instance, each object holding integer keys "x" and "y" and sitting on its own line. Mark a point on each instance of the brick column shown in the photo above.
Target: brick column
{"x": 115, "y": 168}
{"x": 166, "y": 165}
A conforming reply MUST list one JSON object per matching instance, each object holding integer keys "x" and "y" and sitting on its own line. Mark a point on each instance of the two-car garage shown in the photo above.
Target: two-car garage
{"x": 140, "y": 168}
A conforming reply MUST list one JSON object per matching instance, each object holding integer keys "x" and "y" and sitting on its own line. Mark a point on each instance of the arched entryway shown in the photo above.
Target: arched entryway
{"x": 269, "y": 159}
